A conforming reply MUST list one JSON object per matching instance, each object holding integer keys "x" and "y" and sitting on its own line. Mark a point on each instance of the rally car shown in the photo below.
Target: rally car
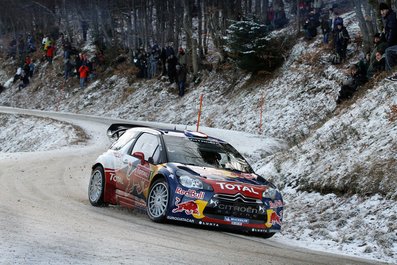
{"x": 184, "y": 176}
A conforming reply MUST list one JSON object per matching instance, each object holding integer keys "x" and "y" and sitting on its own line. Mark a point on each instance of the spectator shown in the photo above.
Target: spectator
{"x": 325, "y": 29}
{"x": 379, "y": 63}
{"x": 172, "y": 61}
{"x": 380, "y": 46}
{"x": 357, "y": 78}
{"x": 181, "y": 57}
{"x": 83, "y": 70}
{"x": 67, "y": 49}
{"x": 270, "y": 16}
{"x": 152, "y": 64}
{"x": 163, "y": 59}
{"x": 181, "y": 78}
{"x": 44, "y": 41}
{"x": 25, "y": 81}
{"x": 341, "y": 40}
{"x": 32, "y": 66}
{"x": 390, "y": 30}
{"x": 50, "y": 53}
{"x": 17, "y": 75}
{"x": 26, "y": 69}
{"x": 30, "y": 41}
{"x": 141, "y": 62}
{"x": 91, "y": 70}
{"x": 78, "y": 63}
{"x": 310, "y": 26}
{"x": 68, "y": 67}
{"x": 28, "y": 61}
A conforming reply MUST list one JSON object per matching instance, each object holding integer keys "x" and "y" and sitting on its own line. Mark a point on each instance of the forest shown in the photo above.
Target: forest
{"x": 194, "y": 24}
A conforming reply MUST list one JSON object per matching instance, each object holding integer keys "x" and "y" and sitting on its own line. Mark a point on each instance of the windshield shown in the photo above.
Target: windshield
{"x": 205, "y": 153}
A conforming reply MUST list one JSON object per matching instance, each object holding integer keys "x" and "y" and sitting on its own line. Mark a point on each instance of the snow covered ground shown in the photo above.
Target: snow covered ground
{"x": 325, "y": 223}
{"x": 336, "y": 165}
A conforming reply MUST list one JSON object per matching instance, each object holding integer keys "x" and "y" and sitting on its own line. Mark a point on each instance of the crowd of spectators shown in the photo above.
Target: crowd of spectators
{"x": 381, "y": 57}
{"x": 162, "y": 61}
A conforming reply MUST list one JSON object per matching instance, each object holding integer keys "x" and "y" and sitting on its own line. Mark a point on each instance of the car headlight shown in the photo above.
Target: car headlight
{"x": 193, "y": 183}
{"x": 270, "y": 193}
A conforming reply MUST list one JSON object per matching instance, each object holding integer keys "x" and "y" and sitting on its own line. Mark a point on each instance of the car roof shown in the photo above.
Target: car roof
{"x": 178, "y": 133}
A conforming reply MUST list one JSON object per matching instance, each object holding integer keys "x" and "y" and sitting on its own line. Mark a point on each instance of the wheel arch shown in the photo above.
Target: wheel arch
{"x": 96, "y": 165}
{"x": 158, "y": 176}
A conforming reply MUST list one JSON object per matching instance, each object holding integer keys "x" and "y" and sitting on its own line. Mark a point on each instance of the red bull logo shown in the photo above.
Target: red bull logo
{"x": 190, "y": 193}
{"x": 273, "y": 218}
{"x": 276, "y": 204}
{"x": 189, "y": 207}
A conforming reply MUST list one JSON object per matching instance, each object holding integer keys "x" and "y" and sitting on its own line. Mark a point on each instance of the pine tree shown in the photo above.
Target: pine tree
{"x": 248, "y": 44}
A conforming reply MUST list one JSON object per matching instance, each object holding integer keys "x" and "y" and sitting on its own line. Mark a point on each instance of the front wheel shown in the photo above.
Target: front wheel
{"x": 157, "y": 201}
{"x": 268, "y": 235}
{"x": 96, "y": 187}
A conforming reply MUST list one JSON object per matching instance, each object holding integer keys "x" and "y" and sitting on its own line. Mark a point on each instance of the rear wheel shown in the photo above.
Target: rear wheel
{"x": 96, "y": 187}
{"x": 157, "y": 201}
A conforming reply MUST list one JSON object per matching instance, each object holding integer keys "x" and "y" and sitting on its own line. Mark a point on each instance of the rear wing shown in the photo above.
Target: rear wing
{"x": 118, "y": 129}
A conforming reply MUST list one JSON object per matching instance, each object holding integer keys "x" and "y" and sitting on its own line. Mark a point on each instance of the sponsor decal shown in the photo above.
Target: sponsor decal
{"x": 189, "y": 207}
{"x": 190, "y": 193}
{"x": 249, "y": 176}
{"x": 257, "y": 230}
{"x": 276, "y": 204}
{"x": 213, "y": 203}
{"x": 139, "y": 179}
{"x": 236, "y": 187}
{"x": 240, "y": 209}
{"x": 115, "y": 178}
{"x": 207, "y": 223}
{"x": 180, "y": 219}
{"x": 236, "y": 221}
{"x": 273, "y": 218}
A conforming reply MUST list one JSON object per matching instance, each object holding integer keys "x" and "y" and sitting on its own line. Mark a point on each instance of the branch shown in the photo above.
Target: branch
{"x": 46, "y": 8}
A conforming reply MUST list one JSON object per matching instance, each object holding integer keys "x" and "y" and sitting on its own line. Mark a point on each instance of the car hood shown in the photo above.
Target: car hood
{"x": 226, "y": 181}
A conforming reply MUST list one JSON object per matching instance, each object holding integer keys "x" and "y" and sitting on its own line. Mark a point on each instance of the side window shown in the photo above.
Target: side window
{"x": 124, "y": 139}
{"x": 148, "y": 144}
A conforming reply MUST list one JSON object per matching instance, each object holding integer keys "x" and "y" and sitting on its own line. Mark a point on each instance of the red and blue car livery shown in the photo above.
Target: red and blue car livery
{"x": 184, "y": 176}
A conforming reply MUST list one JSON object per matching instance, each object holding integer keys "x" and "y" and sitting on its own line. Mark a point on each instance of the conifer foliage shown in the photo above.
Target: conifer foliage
{"x": 247, "y": 43}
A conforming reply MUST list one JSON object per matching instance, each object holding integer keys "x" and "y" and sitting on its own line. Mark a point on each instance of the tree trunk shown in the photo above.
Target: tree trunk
{"x": 187, "y": 25}
{"x": 265, "y": 7}
{"x": 363, "y": 25}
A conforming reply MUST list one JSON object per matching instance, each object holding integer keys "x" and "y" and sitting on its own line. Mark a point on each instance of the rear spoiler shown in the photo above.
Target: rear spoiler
{"x": 118, "y": 129}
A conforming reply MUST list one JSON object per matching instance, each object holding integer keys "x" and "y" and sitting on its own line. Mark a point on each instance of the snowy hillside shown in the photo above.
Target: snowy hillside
{"x": 338, "y": 166}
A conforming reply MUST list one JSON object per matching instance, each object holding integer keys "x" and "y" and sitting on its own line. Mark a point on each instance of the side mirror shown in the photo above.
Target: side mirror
{"x": 140, "y": 156}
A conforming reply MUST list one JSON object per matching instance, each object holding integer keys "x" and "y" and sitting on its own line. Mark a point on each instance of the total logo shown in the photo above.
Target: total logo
{"x": 237, "y": 187}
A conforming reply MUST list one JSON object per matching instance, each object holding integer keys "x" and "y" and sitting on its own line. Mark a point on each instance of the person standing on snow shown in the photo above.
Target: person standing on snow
{"x": 390, "y": 31}
{"x": 50, "y": 53}
{"x": 83, "y": 70}
{"x": 341, "y": 40}
{"x": 181, "y": 79}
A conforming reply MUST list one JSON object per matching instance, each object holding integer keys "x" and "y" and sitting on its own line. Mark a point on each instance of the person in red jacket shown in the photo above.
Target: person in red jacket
{"x": 50, "y": 53}
{"x": 28, "y": 61}
{"x": 83, "y": 70}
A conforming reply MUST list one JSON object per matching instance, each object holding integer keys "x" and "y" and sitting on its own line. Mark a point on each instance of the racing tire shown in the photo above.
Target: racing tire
{"x": 157, "y": 201}
{"x": 96, "y": 187}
